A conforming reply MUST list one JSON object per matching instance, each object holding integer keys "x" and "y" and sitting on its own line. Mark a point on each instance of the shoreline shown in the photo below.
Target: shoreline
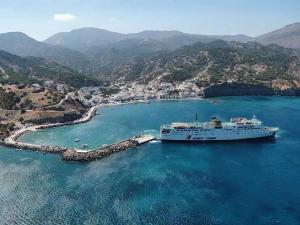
{"x": 74, "y": 154}
{"x": 12, "y": 139}
{"x": 77, "y": 154}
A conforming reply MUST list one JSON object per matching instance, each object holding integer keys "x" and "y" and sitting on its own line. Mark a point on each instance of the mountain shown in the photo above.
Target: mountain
{"x": 288, "y": 36}
{"x": 218, "y": 62}
{"x": 15, "y": 69}
{"x": 110, "y": 56}
{"x": 180, "y": 39}
{"x": 156, "y": 35}
{"x": 82, "y": 38}
{"x": 237, "y": 37}
{"x": 20, "y": 44}
{"x": 106, "y": 50}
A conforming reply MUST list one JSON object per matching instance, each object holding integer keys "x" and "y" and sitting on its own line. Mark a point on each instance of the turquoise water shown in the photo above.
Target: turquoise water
{"x": 242, "y": 183}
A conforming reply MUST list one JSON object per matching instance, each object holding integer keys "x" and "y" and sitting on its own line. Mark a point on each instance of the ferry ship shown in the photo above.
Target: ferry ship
{"x": 216, "y": 130}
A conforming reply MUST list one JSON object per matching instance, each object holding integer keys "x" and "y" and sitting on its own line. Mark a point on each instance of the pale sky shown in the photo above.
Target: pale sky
{"x": 42, "y": 18}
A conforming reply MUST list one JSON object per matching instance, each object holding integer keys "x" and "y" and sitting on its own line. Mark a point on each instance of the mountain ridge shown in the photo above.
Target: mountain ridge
{"x": 287, "y": 36}
{"x": 99, "y": 37}
{"x": 21, "y": 44}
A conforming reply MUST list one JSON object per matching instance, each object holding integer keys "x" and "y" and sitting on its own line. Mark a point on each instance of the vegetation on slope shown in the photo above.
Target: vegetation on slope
{"x": 28, "y": 70}
{"x": 217, "y": 62}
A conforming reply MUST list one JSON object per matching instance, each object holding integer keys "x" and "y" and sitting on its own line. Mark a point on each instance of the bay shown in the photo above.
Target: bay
{"x": 160, "y": 183}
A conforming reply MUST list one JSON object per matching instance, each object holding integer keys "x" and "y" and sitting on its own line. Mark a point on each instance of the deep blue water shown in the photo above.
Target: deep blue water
{"x": 242, "y": 183}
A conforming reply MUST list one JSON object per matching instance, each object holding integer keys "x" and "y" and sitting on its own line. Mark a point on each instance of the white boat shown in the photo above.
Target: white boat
{"x": 77, "y": 139}
{"x": 216, "y": 130}
{"x": 85, "y": 145}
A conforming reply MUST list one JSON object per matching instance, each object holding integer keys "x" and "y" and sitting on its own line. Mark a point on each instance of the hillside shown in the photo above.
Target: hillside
{"x": 288, "y": 36}
{"x": 20, "y": 44}
{"x": 16, "y": 69}
{"x": 218, "y": 62}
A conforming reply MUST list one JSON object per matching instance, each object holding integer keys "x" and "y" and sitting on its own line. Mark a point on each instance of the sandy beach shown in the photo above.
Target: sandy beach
{"x": 12, "y": 139}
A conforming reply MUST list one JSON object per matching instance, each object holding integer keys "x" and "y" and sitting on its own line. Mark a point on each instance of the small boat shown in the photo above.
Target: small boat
{"x": 84, "y": 145}
{"x": 77, "y": 139}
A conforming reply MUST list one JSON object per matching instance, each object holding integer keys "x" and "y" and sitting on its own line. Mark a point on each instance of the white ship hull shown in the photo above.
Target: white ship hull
{"x": 236, "y": 129}
{"x": 219, "y": 134}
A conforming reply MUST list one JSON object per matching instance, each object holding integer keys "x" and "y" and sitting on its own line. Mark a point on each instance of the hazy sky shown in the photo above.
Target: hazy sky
{"x": 42, "y": 18}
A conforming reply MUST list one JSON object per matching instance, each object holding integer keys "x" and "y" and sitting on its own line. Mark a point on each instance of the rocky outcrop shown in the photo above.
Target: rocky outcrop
{"x": 240, "y": 89}
{"x": 41, "y": 117}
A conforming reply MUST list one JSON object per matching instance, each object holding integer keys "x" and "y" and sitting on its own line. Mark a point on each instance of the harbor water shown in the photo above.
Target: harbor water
{"x": 228, "y": 183}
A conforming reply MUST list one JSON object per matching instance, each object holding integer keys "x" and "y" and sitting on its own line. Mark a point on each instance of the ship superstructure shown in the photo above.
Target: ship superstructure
{"x": 216, "y": 130}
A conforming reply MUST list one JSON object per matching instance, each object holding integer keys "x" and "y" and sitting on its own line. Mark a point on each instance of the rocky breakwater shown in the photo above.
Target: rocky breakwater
{"x": 34, "y": 147}
{"x": 77, "y": 155}
{"x": 105, "y": 151}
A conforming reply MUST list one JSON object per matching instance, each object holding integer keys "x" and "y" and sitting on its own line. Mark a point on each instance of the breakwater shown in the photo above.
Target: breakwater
{"x": 33, "y": 147}
{"x": 107, "y": 150}
{"x": 73, "y": 154}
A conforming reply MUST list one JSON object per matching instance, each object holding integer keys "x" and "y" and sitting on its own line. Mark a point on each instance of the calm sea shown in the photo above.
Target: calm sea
{"x": 242, "y": 183}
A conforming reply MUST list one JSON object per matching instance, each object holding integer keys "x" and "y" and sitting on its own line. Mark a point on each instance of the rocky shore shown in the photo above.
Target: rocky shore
{"x": 240, "y": 89}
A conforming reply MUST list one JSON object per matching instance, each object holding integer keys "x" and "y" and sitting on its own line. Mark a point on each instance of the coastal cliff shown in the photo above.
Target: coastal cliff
{"x": 240, "y": 89}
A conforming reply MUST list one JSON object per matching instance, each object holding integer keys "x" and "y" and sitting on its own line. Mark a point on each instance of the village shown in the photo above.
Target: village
{"x": 128, "y": 92}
